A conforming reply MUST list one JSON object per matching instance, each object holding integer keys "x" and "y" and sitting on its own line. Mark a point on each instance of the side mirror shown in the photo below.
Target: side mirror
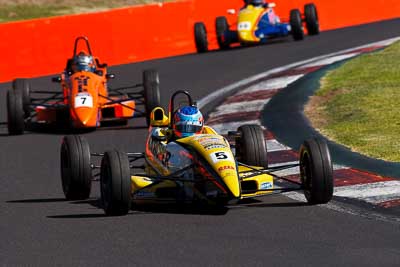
{"x": 56, "y": 79}
{"x": 270, "y": 5}
{"x": 110, "y": 76}
{"x": 158, "y": 118}
{"x": 231, "y": 11}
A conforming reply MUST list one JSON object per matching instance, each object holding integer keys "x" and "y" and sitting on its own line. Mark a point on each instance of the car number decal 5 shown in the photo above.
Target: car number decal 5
{"x": 220, "y": 155}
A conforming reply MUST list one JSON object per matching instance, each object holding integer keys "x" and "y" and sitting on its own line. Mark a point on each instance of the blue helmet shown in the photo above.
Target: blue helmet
{"x": 256, "y": 2}
{"x": 187, "y": 121}
{"x": 83, "y": 62}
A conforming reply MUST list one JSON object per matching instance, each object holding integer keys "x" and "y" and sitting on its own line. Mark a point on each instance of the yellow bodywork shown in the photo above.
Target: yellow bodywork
{"x": 247, "y": 23}
{"x": 215, "y": 149}
{"x": 261, "y": 182}
{"x": 158, "y": 118}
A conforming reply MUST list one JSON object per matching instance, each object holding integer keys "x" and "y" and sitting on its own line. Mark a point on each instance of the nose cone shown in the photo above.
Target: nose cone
{"x": 83, "y": 115}
{"x": 247, "y": 36}
{"x": 232, "y": 182}
{"x": 84, "y": 110}
{"x": 230, "y": 177}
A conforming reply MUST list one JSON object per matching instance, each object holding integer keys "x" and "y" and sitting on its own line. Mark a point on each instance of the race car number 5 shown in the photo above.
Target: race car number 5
{"x": 83, "y": 101}
{"x": 220, "y": 155}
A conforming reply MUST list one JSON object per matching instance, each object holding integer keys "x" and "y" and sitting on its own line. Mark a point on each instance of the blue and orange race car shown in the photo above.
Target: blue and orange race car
{"x": 257, "y": 23}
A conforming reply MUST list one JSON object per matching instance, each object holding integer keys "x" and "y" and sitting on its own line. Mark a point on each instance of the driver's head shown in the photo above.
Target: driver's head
{"x": 83, "y": 62}
{"x": 256, "y": 2}
{"x": 187, "y": 121}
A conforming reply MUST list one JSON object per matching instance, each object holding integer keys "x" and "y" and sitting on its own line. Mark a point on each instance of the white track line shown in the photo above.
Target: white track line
{"x": 224, "y": 90}
{"x": 296, "y": 170}
{"x": 330, "y": 60}
{"x": 237, "y": 107}
{"x": 273, "y": 145}
{"x": 348, "y": 209}
{"x": 274, "y": 83}
{"x": 372, "y": 192}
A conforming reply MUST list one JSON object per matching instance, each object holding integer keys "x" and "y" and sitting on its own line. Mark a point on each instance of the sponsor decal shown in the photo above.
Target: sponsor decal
{"x": 226, "y": 168}
{"x": 214, "y": 146}
{"x": 266, "y": 185}
{"x": 246, "y": 174}
{"x": 82, "y": 83}
{"x": 211, "y": 142}
{"x": 207, "y": 140}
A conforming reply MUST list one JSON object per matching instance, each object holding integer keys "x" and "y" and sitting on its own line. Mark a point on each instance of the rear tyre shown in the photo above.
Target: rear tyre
{"x": 151, "y": 84}
{"x": 311, "y": 18}
{"x": 15, "y": 113}
{"x": 115, "y": 183}
{"x": 316, "y": 171}
{"x": 296, "y": 25}
{"x": 222, "y": 28}
{"x": 200, "y": 37}
{"x": 23, "y": 86}
{"x": 251, "y": 148}
{"x": 76, "y": 172}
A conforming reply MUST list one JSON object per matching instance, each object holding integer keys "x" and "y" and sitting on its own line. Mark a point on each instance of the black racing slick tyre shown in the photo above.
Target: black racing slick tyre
{"x": 316, "y": 172}
{"x": 200, "y": 37}
{"x": 296, "y": 25}
{"x": 311, "y": 19}
{"x": 250, "y": 146}
{"x": 23, "y": 86}
{"x": 76, "y": 171}
{"x": 222, "y": 28}
{"x": 115, "y": 183}
{"x": 151, "y": 84}
{"x": 15, "y": 113}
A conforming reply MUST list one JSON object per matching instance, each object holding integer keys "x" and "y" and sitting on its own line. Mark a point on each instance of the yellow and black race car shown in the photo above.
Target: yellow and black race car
{"x": 201, "y": 168}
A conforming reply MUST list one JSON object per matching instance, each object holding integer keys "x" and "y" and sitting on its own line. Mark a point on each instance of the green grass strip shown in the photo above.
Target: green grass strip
{"x": 9, "y": 11}
{"x": 358, "y": 104}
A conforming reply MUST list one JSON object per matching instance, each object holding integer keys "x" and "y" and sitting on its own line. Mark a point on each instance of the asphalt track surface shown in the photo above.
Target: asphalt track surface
{"x": 39, "y": 228}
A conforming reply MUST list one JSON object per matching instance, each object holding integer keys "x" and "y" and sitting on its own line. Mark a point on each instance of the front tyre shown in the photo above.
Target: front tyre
{"x": 115, "y": 183}
{"x": 151, "y": 84}
{"x": 311, "y": 19}
{"x": 76, "y": 172}
{"x": 250, "y": 146}
{"x": 316, "y": 172}
{"x": 296, "y": 25}
{"x": 222, "y": 29}
{"x": 200, "y": 37}
{"x": 15, "y": 113}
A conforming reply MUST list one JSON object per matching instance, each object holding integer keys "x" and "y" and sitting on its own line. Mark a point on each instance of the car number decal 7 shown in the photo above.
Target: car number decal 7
{"x": 85, "y": 100}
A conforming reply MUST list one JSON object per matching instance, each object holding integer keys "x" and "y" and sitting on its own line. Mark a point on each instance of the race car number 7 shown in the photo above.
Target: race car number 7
{"x": 83, "y": 101}
{"x": 220, "y": 155}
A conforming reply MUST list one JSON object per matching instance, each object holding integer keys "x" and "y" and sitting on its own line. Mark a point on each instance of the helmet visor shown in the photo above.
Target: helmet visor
{"x": 81, "y": 67}
{"x": 188, "y": 128}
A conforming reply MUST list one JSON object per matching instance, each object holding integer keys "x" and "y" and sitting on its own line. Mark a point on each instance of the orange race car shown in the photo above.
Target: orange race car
{"x": 85, "y": 100}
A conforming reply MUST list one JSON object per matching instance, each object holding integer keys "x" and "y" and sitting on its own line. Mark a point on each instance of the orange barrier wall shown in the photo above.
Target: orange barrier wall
{"x": 41, "y": 46}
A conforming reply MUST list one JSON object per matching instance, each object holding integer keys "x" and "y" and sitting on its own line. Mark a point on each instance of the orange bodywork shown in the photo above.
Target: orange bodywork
{"x": 86, "y": 97}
